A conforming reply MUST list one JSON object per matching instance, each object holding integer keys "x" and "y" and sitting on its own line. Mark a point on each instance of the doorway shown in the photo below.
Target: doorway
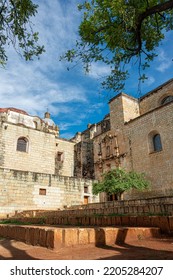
{"x": 86, "y": 199}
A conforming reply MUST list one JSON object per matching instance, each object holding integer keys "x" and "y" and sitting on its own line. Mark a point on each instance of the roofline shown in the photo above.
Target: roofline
{"x": 149, "y": 112}
{"x": 154, "y": 90}
{"x": 123, "y": 94}
{"x": 16, "y": 110}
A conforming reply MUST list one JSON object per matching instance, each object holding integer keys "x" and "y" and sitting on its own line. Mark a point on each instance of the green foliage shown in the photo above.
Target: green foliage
{"x": 117, "y": 181}
{"x": 16, "y": 29}
{"x": 118, "y": 32}
{"x": 15, "y": 222}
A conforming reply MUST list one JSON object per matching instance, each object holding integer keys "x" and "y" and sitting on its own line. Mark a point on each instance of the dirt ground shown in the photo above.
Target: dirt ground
{"x": 148, "y": 249}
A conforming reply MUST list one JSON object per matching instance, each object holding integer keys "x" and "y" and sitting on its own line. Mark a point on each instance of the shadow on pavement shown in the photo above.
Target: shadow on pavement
{"x": 12, "y": 252}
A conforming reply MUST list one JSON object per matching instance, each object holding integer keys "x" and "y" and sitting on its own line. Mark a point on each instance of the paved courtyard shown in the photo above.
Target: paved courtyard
{"x": 150, "y": 249}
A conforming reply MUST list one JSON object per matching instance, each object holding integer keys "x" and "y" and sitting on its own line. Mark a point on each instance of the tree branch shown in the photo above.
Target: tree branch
{"x": 149, "y": 11}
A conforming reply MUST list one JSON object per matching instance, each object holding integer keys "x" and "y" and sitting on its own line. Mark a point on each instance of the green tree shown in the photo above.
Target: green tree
{"x": 119, "y": 32}
{"x": 116, "y": 181}
{"x": 16, "y": 29}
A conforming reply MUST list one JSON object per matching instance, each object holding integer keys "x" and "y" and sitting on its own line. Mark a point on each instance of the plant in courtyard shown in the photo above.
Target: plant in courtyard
{"x": 117, "y": 181}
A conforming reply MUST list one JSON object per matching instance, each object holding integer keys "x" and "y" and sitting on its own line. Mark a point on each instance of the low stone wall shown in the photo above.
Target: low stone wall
{"x": 152, "y": 206}
{"x": 159, "y": 201}
{"x": 55, "y": 238}
{"x": 165, "y": 223}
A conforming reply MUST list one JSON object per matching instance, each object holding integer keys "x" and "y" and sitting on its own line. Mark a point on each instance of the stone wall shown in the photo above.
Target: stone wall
{"x": 122, "y": 109}
{"x": 140, "y": 154}
{"x": 136, "y": 207}
{"x": 153, "y": 99}
{"x": 64, "y": 165}
{"x": 136, "y": 144}
{"x": 40, "y": 155}
{"x": 56, "y": 238}
{"x": 22, "y": 190}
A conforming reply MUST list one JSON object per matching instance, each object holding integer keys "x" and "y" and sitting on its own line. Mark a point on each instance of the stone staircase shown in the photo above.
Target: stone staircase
{"x": 99, "y": 223}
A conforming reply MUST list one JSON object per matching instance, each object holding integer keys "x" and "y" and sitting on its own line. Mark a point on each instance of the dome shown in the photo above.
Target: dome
{"x": 50, "y": 122}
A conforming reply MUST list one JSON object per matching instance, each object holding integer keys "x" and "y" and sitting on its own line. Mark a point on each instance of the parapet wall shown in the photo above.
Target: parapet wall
{"x": 22, "y": 190}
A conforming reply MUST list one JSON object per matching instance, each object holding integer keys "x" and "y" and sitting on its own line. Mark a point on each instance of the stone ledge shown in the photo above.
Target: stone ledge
{"x": 55, "y": 238}
{"x": 164, "y": 223}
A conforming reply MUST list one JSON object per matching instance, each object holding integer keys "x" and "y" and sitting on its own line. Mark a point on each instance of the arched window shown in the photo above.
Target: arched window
{"x": 167, "y": 99}
{"x": 22, "y": 144}
{"x": 157, "y": 144}
{"x": 154, "y": 141}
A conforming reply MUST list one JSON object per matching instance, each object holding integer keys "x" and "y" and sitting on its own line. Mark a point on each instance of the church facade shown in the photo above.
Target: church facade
{"x": 137, "y": 135}
{"x": 40, "y": 170}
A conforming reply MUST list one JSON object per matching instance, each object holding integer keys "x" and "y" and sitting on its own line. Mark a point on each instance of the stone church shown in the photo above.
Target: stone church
{"x": 40, "y": 170}
{"x": 137, "y": 135}
{"x": 37, "y": 166}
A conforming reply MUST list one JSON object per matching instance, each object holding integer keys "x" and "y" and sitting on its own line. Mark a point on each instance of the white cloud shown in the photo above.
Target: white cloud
{"x": 34, "y": 86}
{"x": 98, "y": 70}
{"x": 65, "y": 126}
{"x": 164, "y": 61}
{"x": 45, "y": 83}
{"x": 150, "y": 80}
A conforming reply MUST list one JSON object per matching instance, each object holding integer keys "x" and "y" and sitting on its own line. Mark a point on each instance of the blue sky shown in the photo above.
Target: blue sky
{"x": 73, "y": 98}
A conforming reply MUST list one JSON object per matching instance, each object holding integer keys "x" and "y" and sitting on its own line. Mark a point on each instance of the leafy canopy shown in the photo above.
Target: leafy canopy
{"x": 117, "y": 181}
{"x": 16, "y": 29}
{"x": 118, "y": 32}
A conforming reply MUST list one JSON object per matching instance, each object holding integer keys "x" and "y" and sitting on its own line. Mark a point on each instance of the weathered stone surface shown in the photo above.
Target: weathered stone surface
{"x": 83, "y": 236}
{"x": 71, "y": 237}
{"x": 164, "y": 224}
{"x": 100, "y": 238}
{"x": 125, "y": 220}
{"x": 171, "y": 223}
{"x": 43, "y": 237}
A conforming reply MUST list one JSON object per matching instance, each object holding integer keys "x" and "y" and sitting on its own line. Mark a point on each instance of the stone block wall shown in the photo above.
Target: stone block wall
{"x": 141, "y": 156}
{"x": 21, "y": 190}
{"x": 55, "y": 238}
{"x": 65, "y": 166}
{"x": 122, "y": 109}
{"x": 40, "y": 155}
{"x": 139, "y": 207}
{"x": 153, "y": 99}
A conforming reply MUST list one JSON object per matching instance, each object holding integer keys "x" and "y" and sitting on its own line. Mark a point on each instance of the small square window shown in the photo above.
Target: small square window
{"x": 42, "y": 191}
{"x": 85, "y": 189}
